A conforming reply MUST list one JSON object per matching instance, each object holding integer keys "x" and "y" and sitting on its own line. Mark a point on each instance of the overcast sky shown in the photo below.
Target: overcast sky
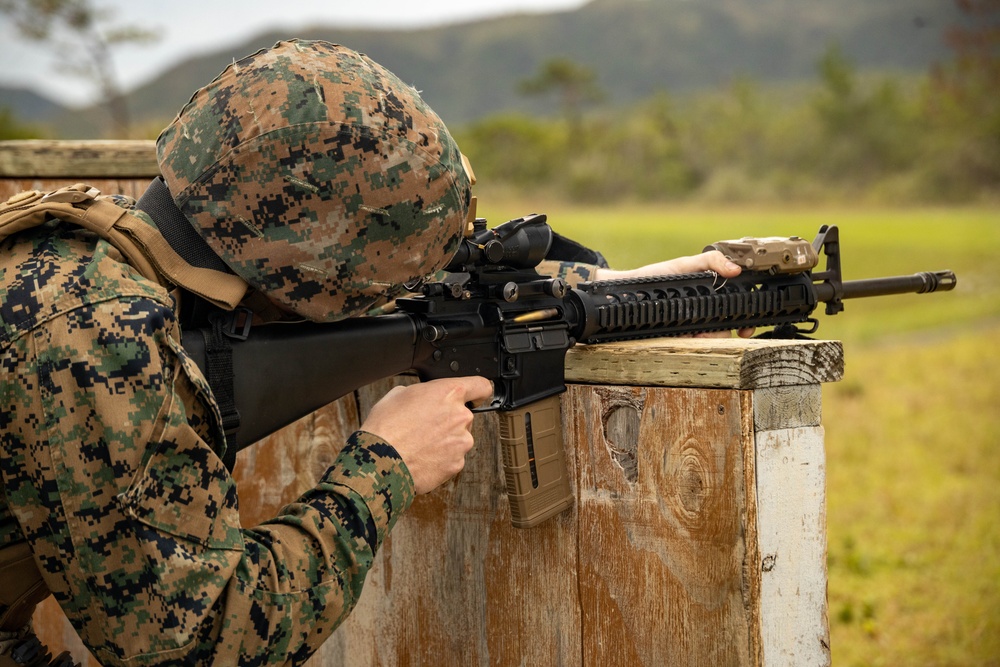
{"x": 197, "y": 26}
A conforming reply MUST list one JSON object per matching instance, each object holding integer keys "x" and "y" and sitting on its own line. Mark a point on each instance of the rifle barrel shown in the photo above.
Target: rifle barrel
{"x": 919, "y": 283}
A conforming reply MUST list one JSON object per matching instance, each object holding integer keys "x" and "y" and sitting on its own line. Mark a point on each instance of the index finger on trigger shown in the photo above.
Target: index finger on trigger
{"x": 477, "y": 389}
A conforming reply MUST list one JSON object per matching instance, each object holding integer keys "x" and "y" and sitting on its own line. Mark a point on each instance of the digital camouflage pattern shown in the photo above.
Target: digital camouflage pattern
{"x": 110, "y": 469}
{"x": 573, "y": 273}
{"x": 319, "y": 177}
{"x": 324, "y": 181}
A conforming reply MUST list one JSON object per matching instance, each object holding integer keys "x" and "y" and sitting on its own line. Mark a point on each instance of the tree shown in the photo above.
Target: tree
{"x": 574, "y": 84}
{"x": 869, "y": 132}
{"x": 963, "y": 99}
{"x": 84, "y": 38}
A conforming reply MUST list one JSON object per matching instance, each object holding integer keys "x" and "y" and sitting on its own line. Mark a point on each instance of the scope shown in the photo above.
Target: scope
{"x": 520, "y": 243}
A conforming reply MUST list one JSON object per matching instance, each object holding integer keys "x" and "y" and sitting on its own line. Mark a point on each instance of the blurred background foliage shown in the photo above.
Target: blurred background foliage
{"x": 622, "y": 100}
{"x": 848, "y": 137}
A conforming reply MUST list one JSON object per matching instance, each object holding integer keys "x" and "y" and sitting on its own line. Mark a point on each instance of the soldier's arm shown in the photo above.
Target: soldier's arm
{"x": 111, "y": 471}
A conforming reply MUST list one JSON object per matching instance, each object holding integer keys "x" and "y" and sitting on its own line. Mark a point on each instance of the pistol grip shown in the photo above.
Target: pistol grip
{"x": 534, "y": 462}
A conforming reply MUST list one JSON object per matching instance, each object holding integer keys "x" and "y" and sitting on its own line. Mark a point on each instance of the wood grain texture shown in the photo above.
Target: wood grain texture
{"x": 456, "y": 584}
{"x": 787, "y": 407}
{"x": 43, "y": 158}
{"x": 728, "y": 363}
{"x": 663, "y": 557}
{"x": 652, "y": 555}
{"x": 752, "y": 574}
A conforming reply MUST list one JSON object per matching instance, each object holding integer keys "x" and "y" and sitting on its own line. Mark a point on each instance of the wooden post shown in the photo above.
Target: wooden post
{"x": 697, "y": 537}
{"x": 698, "y": 534}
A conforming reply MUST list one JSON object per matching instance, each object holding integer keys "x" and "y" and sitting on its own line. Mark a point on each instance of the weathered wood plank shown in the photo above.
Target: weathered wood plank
{"x": 730, "y": 363}
{"x": 80, "y": 160}
{"x": 752, "y": 574}
{"x": 129, "y": 187}
{"x": 662, "y": 551}
{"x": 791, "y": 505}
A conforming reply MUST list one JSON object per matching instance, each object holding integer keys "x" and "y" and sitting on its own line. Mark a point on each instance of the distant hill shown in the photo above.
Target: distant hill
{"x": 636, "y": 47}
{"x": 29, "y": 106}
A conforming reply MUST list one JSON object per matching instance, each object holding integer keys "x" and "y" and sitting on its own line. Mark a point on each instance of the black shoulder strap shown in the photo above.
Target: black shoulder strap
{"x": 158, "y": 204}
{"x": 220, "y": 372}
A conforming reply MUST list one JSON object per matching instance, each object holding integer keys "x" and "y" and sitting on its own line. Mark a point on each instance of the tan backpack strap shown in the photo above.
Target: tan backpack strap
{"x": 21, "y": 586}
{"x": 82, "y": 208}
{"x": 225, "y": 290}
{"x": 143, "y": 246}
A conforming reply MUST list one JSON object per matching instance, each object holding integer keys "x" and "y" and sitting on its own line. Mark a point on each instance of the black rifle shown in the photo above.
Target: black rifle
{"x": 494, "y": 315}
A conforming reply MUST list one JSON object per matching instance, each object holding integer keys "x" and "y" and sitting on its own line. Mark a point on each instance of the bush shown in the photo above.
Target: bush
{"x": 846, "y": 138}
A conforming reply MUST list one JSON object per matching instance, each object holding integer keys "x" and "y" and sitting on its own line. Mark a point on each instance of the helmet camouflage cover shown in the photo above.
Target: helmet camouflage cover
{"x": 317, "y": 176}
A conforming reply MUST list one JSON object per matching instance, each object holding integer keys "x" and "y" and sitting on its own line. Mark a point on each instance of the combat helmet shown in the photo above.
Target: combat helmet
{"x": 317, "y": 176}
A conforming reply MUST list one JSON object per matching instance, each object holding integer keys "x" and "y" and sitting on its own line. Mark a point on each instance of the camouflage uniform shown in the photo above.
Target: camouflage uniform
{"x": 323, "y": 182}
{"x": 111, "y": 440}
{"x": 110, "y": 472}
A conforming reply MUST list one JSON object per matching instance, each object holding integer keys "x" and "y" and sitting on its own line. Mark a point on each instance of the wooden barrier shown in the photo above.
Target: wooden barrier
{"x": 697, "y": 537}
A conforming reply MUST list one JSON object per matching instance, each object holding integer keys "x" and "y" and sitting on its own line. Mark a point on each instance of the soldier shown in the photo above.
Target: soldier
{"x": 306, "y": 181}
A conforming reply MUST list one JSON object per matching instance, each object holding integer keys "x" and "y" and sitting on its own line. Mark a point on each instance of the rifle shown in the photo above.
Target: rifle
{"x": 494, "y": 315}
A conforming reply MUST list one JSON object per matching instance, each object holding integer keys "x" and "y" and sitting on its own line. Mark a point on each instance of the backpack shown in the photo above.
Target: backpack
{"x": 143, "y": 246}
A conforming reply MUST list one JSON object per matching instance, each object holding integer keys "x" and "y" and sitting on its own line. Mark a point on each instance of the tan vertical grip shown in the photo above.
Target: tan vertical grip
{"x": 534, "y": 462}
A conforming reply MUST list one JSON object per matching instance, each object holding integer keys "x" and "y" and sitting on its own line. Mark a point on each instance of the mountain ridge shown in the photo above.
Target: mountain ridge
{"x": 635, "y": 47}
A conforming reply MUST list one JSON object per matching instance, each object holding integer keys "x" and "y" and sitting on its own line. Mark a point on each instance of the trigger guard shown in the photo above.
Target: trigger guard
{"x": 492, "y": 406}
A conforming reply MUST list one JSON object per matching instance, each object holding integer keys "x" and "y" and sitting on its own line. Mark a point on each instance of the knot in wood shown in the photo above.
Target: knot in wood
{"x": 692, "y": 482}
{"x": 690, "y": 478}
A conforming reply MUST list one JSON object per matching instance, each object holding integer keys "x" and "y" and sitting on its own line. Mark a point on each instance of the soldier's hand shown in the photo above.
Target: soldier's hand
{"x": 428, "y": 424}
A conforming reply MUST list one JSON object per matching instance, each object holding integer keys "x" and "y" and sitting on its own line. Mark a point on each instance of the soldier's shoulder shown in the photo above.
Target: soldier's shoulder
{"x": 58, "y": 267}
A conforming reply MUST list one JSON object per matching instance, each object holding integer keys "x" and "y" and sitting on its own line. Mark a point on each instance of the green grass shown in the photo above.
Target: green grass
{"x": 913, "y": 430}
{"x": 913, "y": 475}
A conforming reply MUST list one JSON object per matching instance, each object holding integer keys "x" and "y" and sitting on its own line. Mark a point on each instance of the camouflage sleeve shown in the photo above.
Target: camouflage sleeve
{"x": 573, "y": 273}
{"x": 109, "y": 469}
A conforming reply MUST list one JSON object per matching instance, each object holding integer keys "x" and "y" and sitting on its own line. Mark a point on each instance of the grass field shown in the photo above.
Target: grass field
{"x": 912, "y": 432}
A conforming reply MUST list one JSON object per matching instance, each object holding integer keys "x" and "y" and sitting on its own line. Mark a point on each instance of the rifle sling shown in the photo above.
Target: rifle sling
{"x": 221, "y": 378}
{"x": 23, "y": 587}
